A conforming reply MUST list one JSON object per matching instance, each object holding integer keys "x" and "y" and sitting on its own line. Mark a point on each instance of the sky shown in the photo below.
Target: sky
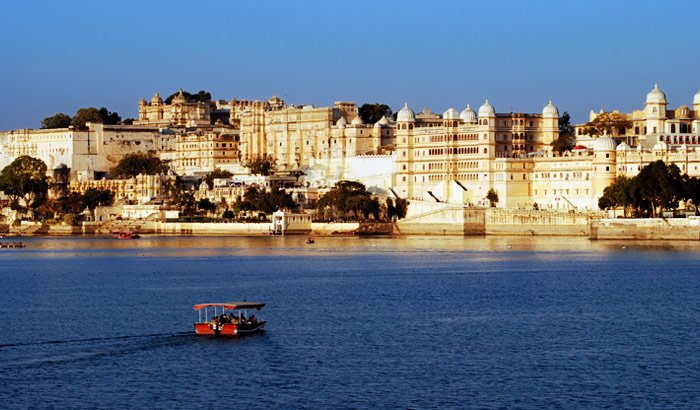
{"x": 582, "y": 55}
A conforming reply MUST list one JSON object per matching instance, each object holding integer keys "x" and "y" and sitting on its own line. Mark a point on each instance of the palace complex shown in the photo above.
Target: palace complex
{"x": 454, "y": 158}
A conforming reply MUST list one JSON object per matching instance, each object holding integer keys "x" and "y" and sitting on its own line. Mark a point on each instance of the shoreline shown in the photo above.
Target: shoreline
{"x": 685, "y": 229}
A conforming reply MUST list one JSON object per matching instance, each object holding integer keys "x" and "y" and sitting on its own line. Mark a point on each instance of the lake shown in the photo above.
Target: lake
{"x": 417, "y": 322}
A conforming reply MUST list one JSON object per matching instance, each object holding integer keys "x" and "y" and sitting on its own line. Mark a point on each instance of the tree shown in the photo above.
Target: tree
{"x": 58, "y": 120}
{"x": 61, "y": 178}
{"x": 98, "y": 197}
{"x": 691, "y": 186}
{"x": 217, "y": 173}
{"x": 566, "y": 139}
{"x": 348, "y": 199}
{"x": 138, "y": 163}
{"x": 390, "y": 209}
{"x": 128, "y": 121}
{"x": 109, "y": 117}
{"x": 92, "y": 114}
{"x": 610, "y": 123}
{"x": 261, "y": 166}
{"x": 201, "y": 96}
{"x": 618, "y": 194}
{"x": 660, "y": 185}
{"x": 492, "y": 196}
{"x": 255, "y": 199}
{"x": 206, "y": 205}
{"x": 25, "y": 179}
{"x": 401, "y": 208}
{"x": 371, "y": 113}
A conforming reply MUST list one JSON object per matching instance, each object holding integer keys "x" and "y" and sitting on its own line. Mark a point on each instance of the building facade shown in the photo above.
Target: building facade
{"x": 460, "y": 156}
{"x": 179, "y": 113}
{"x": 96, "y": 149}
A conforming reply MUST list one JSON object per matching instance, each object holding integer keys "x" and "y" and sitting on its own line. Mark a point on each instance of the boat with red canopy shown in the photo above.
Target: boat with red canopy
{"x": 237, "y": 321}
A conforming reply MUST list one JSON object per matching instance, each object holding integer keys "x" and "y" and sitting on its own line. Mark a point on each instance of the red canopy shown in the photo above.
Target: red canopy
{"x": 231, "y": 305}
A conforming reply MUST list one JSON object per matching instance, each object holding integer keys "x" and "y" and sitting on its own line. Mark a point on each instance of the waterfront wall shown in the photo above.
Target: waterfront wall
{"x": 646, "y": 229}
{"x": 444, "y": 219}
{"x": 536, "y": 223}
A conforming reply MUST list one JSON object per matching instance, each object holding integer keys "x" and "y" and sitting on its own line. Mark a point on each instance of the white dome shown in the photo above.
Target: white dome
{"x": 696, "y": 99}
{"x": 623, "y": 147}
{"x": 405, "y": 114}
{"x": 656, "y": 96}
{"x": 341, "y": 123}
{"x": 487, "y": 110}
{"x": 468, "y": 115}
{"x": 357, "y": 121}
{"x": 550, "y": 111}
{"x": 450, "y": 114}
{"x": 660, "y": 146}
{"x": 382, "y": 121}
{"x": 604, "y": 143}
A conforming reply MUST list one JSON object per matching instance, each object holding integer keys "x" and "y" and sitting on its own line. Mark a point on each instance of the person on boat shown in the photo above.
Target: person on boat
{"x": 253, "y": 319}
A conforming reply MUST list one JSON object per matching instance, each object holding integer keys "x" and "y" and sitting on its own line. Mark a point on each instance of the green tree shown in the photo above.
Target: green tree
{"x": 98, "y": 197}
{"x": 138, "y": 163}
{"x": 566, "y": 139}
{"x": 61, "y": 178}
{"x": 390, "y": 209}
{"x": 128, "y": 121}
{"x": 92, "y": 114}
{"x": 201, "y": 96}
{"x": 492, "y": 196}
{"x": 206, "y": 205}
{"x": 371, "y": 113}
{"x": 217, "y": 173}
{"x": 261, "y": 166}
{"x": 25, "y": 180}
{"x": 610, "y": 123}
{"x": 58, "y": 120}
{"x": 401, "y": 207}
{"x": 71, "y": 203}
{"x": 691, "y": 187}
{"x": 660, "y": 185}
{"x": 348, "y": 200}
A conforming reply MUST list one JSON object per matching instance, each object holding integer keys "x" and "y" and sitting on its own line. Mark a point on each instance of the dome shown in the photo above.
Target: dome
{"x": 604, "y": 143}
{"x": 487, "y": 110}
{"x": 623, "y": 147}
{"x": 341, "y": 123}
{"x": 156, "y": 99}
{"x": 450, "y": 114}
{"x": 405, "y": 114}
{"x": 696, "y": 99}
{"x": 656, "y": 96}
{"x": 357, "y": 121}
{"x": 468, "y": 115}
{"x": 660, "y": 146}
{"x": 550, "y": 111}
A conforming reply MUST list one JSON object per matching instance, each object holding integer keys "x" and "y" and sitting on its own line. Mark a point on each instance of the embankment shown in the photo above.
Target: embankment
{"x": 684, "y": 229}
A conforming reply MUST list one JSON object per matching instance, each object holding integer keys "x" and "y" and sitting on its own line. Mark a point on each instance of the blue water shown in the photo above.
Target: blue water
{"x": 352, "y": 323}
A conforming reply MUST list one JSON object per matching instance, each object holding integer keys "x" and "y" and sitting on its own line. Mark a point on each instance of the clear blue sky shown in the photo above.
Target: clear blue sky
{"x": 60, "y": 56}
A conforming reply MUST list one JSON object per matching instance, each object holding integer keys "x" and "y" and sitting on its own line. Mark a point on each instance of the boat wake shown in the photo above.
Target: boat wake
{"x": 92, "y": 339}
{"x": 25, "y": 356}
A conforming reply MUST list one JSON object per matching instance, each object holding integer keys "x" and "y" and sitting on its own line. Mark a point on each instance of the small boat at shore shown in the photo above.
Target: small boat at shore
{"x": 235, "y": 322}
{"x": 12, "y": 245}
{"x": 128, "y": 235}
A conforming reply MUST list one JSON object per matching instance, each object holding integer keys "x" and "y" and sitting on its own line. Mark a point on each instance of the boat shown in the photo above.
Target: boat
{"x": 235, "y": 322}
{"x": 128, "y": 235}
{"x": 310, "y": 240}
{"x": 12, "y": 245}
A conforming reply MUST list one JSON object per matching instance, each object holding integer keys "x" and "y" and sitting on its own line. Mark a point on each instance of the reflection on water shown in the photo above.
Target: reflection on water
{"x": 194, "y": 246}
